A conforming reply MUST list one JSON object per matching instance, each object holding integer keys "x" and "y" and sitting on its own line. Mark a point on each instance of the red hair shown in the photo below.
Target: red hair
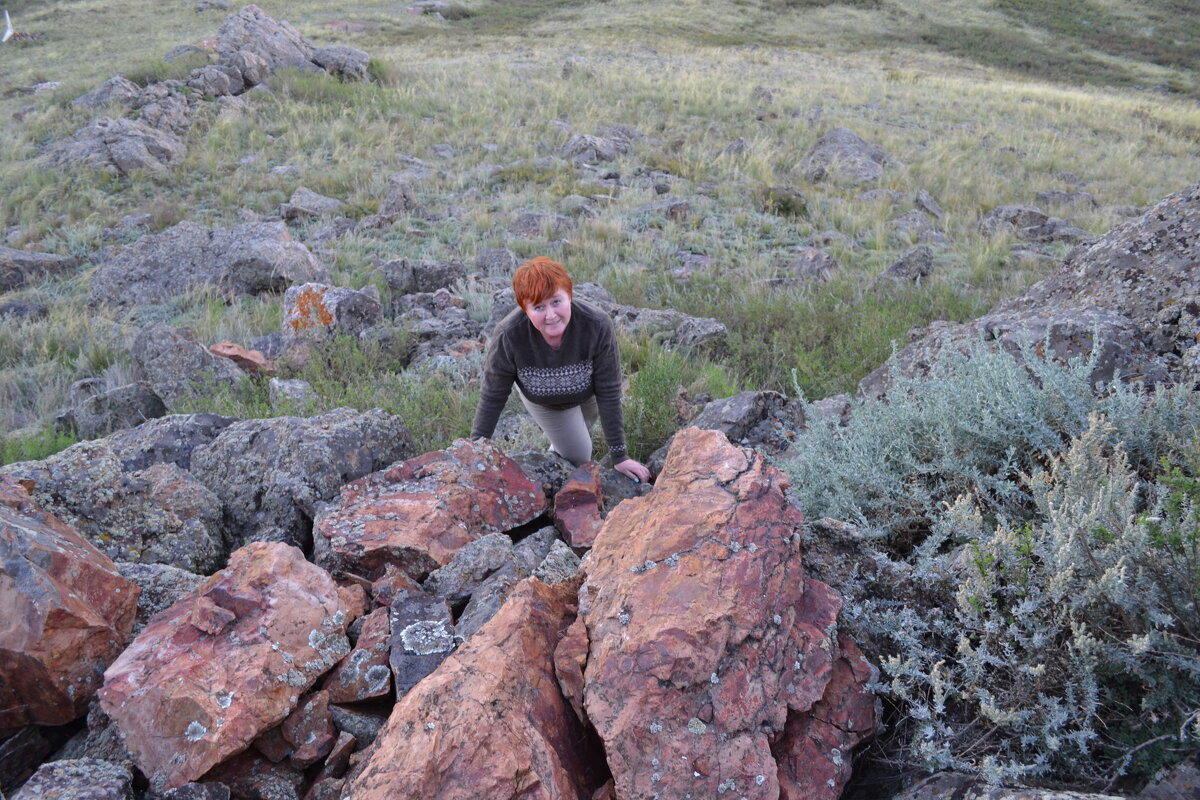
{"x": 538, "y": 278}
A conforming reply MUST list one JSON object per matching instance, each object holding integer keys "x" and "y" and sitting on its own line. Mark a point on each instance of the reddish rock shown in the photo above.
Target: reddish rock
{"x": 391, "y": 583}
{"x": 309, "y": 729}
{"x": 364, "y": 674}
{"x": 186, "y": 698}
{"x": 252, "y": 361}
{"x": 68, "y": 613}
{"x": 491, "y": 721}
{"x": 338, "y": 760}
{"x": 704, "y": 636}
{"x": 419, "y": 513}
{"x": 577, "y": 506}
{"x": 273, "y": 746}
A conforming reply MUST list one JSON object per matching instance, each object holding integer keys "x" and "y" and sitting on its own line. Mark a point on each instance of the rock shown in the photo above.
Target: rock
{"x": 270, "y": 474}
{"x": 1181, "y": 782}
{"x": 591, "y": 149}
{"x": 470, "y": 567}
{"x": 208, "y": 790}
{"x": 21, "y": 752}
{"x": 925, "y": 202}
{"x": 250, "y": 775}
{"x": 422, "y": 637}
{"x": 955, "y": 786}
{"x": 408, "y": 277}
{"x": 344, "y": 63}
{"x": 672, "y": 208}
{"x": 503, "y": 731}
{"x": 579, "y": 506}
{"x": 157, "y": 515}
{"x": 210, "y": 674}
{"x": 703, "y": 637}
{"x": 216, "y": 80}
{"x": 123, "y": 407}
{"x": 309, "y": 730}
{"x": 177, "y": 368}
{"x": 161, "y": 586}
{"x": 336, "y": 765}
{"x": 496, "y": 262}
{"x": 316, "y": 311}
{"x": 814, "y": 264}
{"x": 277, "y": 43}
{"x": 909, "y": 226}
{"x": 168, "y": 106}
{"x": 536, "y": 224}
{"x": 118, "y": 146}
{"x": 69, "y": 614}
{"x": 254, "y": 68}
{"x": 364, "y": 674}
{"x": 305, "y": 204}
{"x": 364, "y": 726}
{"x": 760, "y": 420}
{"x": 78, "y": 779}
{"x": 487, "y": 599}
{"x": 560, "y": 564}
{"x": 1057, "y": 197}
{"x": 23, "y": 310}
{"x": 914, "y": 264}
{"x": 546, "y": 470}
{"x": 117, "y": 90}
{"x": 251, "y": 361}
{"x": 1009, "y": 219}
{"x": 250, "y": 258}
{"x": 1054, "y": 230}
{"x": 168, "y": 440}
{"x": 99, "y": 740}
{"x": 841, "y": 155}
{"x": 21, "y": 267}
{"x": 418, "y": 514}
{"x": 291, "y": 395}
{"x": 881, "y": 196}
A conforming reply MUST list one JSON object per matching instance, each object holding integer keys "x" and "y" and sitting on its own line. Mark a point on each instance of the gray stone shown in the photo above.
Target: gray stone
{"x": 583, "y": 147}
{"x": 317, "y": 312}
{"x": 23, "y": 310}
{"x": 496, "y": 262}
{"x": 20, "y": 267}
{"x": 534, "y": 224}
{"x": 910, "y": 225}
{"x": 752, "y": 419}
{"x": 814, "y": 264}
{"x": 913, "y": 265}
{"x": 1181, "y": 782}
{"x": 954, "y": 786}
{"x": 216, "y": 80}
{"x": 407, "y": 277}
{"x": 277, "y": 43}
{"x": 253, "y": 68}
{"x": 470, "y": 567}
{"x": 271, "y": 473}
{"x": 208, "y": 790}
{"x": 168, "y": 440}
{"x": 423, "y": 636}
{"x": 1054, "y": 230}
{"x": 123, "y": 407}
{"x": 1057, "y": 197}
{"x": 560, "y": 564}
{"x": 533, "y": 549}
{"x": 925, "y": 202}
{"x": 177, "y": 368}
{"x": 842, "y": 156}
{"x": 293, "y": 394}
{"x": 487, "y": 599}
{"x": 78, "y": 779}
{"x": 117, "y": 90}
{"x": 168, "y": 106}
{"x": 345, "y": 63}
{"x": 305, "y": 203}
{"x": 118, "y": 146}
{"x": 162, "y": 586}
{"x": 362, "y": 725}
{"x": 1009, "y": 219}
{"x": 249, "y": 258}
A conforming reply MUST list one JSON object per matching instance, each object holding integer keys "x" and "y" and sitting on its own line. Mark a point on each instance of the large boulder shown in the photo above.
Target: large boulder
{"x": 68, "y": 614}
{"x": 250, "y": 258}
{"x": 230, "y": 661}
{"x": 316, "y": 311}
{"x": 102, "y": 413}
{"x": 346, "y": 63}
{"x": 271, "y": 473}
{"x": 842, "y": 156}
{"x": 1130, "y": 293}
{"x": 79, "y": 778}
{"x": 491, "y": 721}
{"x": 118, "y": 146}
{"x": 177, "y": 367}
{"x": 276, "y": 42}
{"x": 19, "y": 267}
{"x": 117, "y": 90}
{"x": 701, "y": 647}
{"x": 418, "y": 514}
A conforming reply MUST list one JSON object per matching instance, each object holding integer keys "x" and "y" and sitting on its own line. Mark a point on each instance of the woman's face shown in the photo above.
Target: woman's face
{"x": 550, "y": 316}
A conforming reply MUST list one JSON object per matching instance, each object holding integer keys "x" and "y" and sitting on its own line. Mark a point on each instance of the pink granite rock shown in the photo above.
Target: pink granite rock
{"x": 704, "y": 636}
{"x": 419, "y": 513}
{"x": 68, "y": 613}
{"x": 226, "y": 663}
{"x": 491, "y": 721}
{"x": 577, "y": 506}
{"x": 364, "y": 674}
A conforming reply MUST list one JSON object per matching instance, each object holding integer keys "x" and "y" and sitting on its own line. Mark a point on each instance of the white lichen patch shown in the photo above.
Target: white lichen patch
{"x": 656, "y": 727}
{"x": 427, "y": 637}
{"x": 696, "y": 726}
{"x": 195, "y": 731}
{"x": 224, "y": 699}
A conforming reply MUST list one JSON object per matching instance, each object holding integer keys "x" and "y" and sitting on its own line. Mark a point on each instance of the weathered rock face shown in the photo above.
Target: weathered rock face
{"x": 210, "y": 674}
{"x": 250, "y": 258}
{"x": 578, "y": 506}
{"x": 116, "y": 90}
{"x": 498, "y": 731}
{"x": 83, "y": 778}
{"x": 843, "y": 156}
{"x": 762, "y": 420}
{"x": 418, "y": 514}
{"x": 68, "y": 614}
{"x": 317, "y": 311}
{"x": 123, "y": 407}
{"x": 703, "y": 635}
{"x": 161, "y": 586}
{"x": 305, "y": 203}
{"x": 346, "y": 63}
{"x": 276, "y": 42}
{"x": 271, "y": 473}
{"x": 954, "y": 786}
{"x": 364, "y": 674}
{"x": 176, "y": 367}
{"x": 119, "y": 146}
{"x": 1135, "y": 285}
{"x": 19, "y": 267}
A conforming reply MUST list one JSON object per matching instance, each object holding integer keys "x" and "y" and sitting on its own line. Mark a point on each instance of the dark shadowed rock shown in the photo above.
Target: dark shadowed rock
{"x": 579, "y": 506}
{"x": 422, "y": 637}
{"x": 230, "y": 661}
{"x": 760, "y": 420}
{"x": 470, "y": 567}
{"x": 20, "y": 267}
{"x": 118, "y": 146}
{"x": 252, "y": 776}
{"x": 250, "y": 258}
{"x": 703, "y": 636}
{"x": 123, "y": 407}
{"x": 176, "y": 367}
{"x": 69, "y": 614}
{"x": 78, "y": 779}
{"x": 841, "y": 155}
{"x": 956, "y": 786}
{"x": 488, "y": 599}
{"x": 364, "y": 726}
{"x": 406, "y": 277}
{"x": 914, "y": 264}
{"x": 207, "y": 790}
{"x": 270, "y": 474}
{"x": 309, "y": 730}
{"x": 168, "y": 440}
{"x": 498, "y": 732}
{"x": 418, "y": 514}
{"x": 22, "y": 310}
{"x": 365, "y": 673}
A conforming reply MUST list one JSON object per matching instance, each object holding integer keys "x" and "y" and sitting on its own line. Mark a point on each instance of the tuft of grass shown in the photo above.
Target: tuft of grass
{"x": 34, "y": 445}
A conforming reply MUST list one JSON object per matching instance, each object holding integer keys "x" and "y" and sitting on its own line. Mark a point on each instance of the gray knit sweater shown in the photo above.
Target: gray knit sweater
{"x": 585, "y": 364}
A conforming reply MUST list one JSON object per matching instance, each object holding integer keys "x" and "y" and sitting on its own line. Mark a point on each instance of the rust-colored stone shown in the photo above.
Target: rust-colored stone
{"x": 252, "y": 361}
{"x": 309, "y": 729}
{"x": 364, "y": 674}
{"x": 68, "y": 613}
{"x": 704, "y": 634}
{"x": 490, "y": 722}
{"x": 185, "y": 699}
{"x": 577, "y": 506}
{"x": 391, "y": 583}
{"x": 419, "y": 513}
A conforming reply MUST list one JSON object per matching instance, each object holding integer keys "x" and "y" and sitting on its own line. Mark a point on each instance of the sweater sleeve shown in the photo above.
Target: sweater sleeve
{"x": 606, "y": 382}
{"x": 499, "y": 372}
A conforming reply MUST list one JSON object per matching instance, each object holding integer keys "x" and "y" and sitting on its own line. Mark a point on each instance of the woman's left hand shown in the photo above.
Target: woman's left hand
{"x": 634, "y": 470}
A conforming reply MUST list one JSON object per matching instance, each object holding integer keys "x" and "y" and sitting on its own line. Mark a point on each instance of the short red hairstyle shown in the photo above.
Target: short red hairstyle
{"x": 538, "y": 278}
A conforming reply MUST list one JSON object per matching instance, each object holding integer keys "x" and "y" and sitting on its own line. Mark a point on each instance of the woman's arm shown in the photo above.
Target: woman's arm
{"x": 498, "y": 376}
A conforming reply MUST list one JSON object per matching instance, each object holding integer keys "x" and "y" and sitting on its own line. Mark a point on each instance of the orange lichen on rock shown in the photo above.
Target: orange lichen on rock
{"x": 310, "y": 310}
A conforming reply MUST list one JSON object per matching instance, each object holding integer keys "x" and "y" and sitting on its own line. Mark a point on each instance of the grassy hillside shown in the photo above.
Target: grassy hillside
{"x": 979, "y": 102}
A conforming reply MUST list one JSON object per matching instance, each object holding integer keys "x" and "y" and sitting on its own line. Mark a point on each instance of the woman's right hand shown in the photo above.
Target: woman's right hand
{"x": 633, "y": 470}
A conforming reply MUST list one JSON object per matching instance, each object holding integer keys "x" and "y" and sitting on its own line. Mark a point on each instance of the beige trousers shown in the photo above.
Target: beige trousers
{"x": 569, "y": 430}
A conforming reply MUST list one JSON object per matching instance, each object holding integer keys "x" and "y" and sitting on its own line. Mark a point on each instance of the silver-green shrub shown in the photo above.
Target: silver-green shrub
{"x": 1038, "y": 622}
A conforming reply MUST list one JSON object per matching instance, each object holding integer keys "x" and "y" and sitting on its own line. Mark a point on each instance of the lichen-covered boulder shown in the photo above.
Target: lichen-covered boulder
{"x": 19, "y": 267}
{"x": 226, "y": 663}
{"x": 80, "y": 779}
{"x": 842, "y": 156}
{"x": 177, "y": 367}
{"x": 118, "y": 146}
{"x": 276, "y": 42}
{"x": 68, "y": 614}
{"x": 316, "y": 311}
{"x": 418, "y": 514}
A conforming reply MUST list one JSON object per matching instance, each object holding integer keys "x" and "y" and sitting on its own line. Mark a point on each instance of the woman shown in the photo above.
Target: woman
{"x": 562, "y": 355}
